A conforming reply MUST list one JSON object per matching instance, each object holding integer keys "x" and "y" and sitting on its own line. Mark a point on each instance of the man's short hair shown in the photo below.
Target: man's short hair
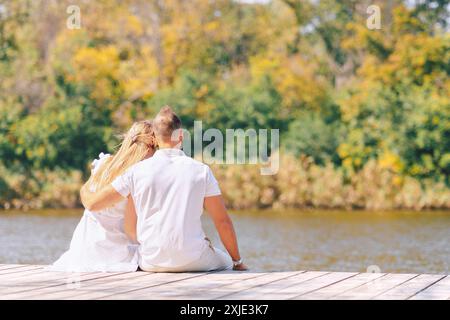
{"x": 165, "y": 123}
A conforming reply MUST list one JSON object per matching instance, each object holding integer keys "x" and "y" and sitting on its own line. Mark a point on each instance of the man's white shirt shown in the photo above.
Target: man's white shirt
{"x": 168, "y": 191}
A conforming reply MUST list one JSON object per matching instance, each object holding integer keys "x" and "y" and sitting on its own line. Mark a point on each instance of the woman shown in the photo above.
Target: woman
{"x": 99, "y": 242}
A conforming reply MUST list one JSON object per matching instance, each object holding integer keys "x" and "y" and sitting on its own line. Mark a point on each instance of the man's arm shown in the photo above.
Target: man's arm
{"x": 101, "y": 199}
{"x": 216, "y": 208}
{"x": 130, "y": 220}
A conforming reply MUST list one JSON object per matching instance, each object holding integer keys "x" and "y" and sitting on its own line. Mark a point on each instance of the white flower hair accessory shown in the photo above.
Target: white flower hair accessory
{"x": 97, "y": 161}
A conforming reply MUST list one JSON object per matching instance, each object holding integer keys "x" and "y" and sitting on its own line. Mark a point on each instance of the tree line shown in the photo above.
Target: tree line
{"x": 343, "y": 95}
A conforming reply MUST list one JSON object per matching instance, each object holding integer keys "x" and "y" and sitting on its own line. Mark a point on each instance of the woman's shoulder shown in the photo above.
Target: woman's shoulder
{"x": 97, "y": 163}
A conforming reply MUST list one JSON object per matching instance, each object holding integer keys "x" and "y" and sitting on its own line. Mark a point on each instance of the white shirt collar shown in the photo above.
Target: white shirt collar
{"x": 170, "y": 152}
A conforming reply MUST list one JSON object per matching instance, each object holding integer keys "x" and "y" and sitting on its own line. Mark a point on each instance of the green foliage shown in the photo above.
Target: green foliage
{"x": 60, "y": 138}
{"x": 255, "y": 106}
{"x": 424, "y": 140}
{"x": 312, "y": 136}
{"x": 199, "y": 97}
{"x": 347, "y": 97}
{"x": 10, "y": 113}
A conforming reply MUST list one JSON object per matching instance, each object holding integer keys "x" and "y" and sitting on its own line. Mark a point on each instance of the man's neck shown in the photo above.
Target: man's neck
{"x": 163, "y": 145}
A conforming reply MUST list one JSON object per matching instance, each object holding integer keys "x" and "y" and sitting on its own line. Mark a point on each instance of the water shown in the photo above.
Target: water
{"x": 406, "y": 242}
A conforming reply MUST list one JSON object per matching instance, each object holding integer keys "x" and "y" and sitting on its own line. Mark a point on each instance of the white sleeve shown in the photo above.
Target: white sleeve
{"x": 123, "y": 183}
{"x": 212, "y": 186}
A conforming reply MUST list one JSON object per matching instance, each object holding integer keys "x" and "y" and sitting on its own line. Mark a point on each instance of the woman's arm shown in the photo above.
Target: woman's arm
{"x": 130, "y": 220}
{"x": 99, "y": 200}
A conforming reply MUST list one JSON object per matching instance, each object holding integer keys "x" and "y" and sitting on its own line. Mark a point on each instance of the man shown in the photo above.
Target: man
{"x": 169, "y": 191}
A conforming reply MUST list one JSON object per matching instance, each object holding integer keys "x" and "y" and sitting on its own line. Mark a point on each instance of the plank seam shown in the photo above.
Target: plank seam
{"x": 431, "y": 284}
{"x": 27, "y": 273}
{"x": 60, "y": 284}
{"x": 156, "y": 285}
{"x": 330, "y": 284}
{"x": 356, "y": 286}
{"x": 401, "y": 283}
{"x": 259, "y": 285}
{"x": 118, "y": 280}
{"x": 233, "y": 282}
{"x": 17, "y": 271}
{"x": 9, "y": 267}
{"x": 61, "y": 278}
{"x": 363, "y": 284}
{"x": 294, "y": 284}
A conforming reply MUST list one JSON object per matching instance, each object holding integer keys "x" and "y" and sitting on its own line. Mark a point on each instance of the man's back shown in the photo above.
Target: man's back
{"x": 168, "y": 191}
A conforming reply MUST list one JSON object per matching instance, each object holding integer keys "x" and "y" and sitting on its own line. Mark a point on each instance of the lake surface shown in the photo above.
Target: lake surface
{"x": 406, "y": 242}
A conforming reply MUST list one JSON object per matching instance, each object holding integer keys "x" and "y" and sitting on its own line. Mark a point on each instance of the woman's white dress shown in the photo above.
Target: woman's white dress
{"x": 99, "y": 242}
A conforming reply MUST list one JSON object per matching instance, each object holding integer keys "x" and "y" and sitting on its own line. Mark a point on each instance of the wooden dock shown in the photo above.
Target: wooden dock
{"x": 32, "y": 282}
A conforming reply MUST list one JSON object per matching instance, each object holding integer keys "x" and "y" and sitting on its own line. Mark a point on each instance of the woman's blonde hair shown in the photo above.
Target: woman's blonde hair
{"x": 136, "y": 145}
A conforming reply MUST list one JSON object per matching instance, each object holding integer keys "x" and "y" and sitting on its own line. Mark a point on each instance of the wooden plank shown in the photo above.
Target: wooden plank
{"x": 74, "y": 280}
{"x": 41, "y": 280}
{"x": 160, "y": 282}
{"x": 219, "y": 286}
{"x": 253, "y": 285}
{"x": 375, "y": 287}
{"x": 11, "y": 266}
{"x": 304, "y": 287}
{"x": 203, "y": 289}
{"x": 107, "y": 289}
{"x": 341, "y": 286}
{"x": 34, "y": 281}
{"x": 410, "y": 287}
{"x": 439, "y": 290}
{"x": 18, "y": 276}
{"x": 209, "y": 281}
{"x": 265, "y": 290}
{"x": 249, "y": 284}
{"x": 17, "y": 270}
{"x": 97, "y": 285}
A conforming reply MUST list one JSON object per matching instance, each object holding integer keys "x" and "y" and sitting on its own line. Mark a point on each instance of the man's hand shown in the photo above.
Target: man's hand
{"x": 240, "y": 267}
